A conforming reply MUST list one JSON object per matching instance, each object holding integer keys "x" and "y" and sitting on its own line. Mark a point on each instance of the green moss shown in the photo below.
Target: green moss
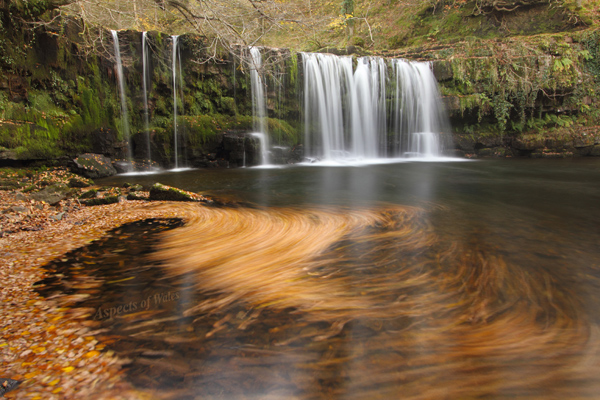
{"x": 227, "y": 105}
{"x": 293, "y": 69}
{"x": 90, "y": 194}
{"x": 282, "y": 132}
{"x": 160, "y": 192}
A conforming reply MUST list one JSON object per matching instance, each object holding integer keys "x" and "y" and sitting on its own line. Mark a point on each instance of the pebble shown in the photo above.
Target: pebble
{"x": 57, "y": 217}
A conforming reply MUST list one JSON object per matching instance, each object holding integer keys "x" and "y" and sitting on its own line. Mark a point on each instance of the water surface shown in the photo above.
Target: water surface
{"x": 409, "y": 280}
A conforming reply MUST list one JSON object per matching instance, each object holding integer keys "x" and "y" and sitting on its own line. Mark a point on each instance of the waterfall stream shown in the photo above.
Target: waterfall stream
{"x": 259, "y": 103}
{"x": 145, "y": 78}
{"x": 353, "y": 109}
{"x": 174, "y": 73}
{"x": 376, "y": 109}
{"x": 120, "y": 78}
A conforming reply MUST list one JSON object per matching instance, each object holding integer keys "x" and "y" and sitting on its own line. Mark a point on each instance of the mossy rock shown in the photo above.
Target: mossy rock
{"x": 79, "y": 182}
{"x": 160, "y": 192}
{"x": 52, "y": 194}
{"x": 101, "y": 201}
{"x": 90, "y": 194}
{"x": 133, "y": 196}
{"x": 8, "y": 184}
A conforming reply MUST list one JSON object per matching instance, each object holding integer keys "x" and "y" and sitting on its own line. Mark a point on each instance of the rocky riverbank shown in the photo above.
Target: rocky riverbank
{"x": 47, "y": 346}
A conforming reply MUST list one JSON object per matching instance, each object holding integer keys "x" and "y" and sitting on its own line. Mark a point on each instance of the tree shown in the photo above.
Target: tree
{"x": 223, "y": 23}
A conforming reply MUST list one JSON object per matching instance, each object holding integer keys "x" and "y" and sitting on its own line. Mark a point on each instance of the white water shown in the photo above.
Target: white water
{"x": 264, "y": 146}
{"x": 417, "y": 117}
{"x": 145, "y": 78}
{"x": 120, "y": 79}
{"x": 259, "y": 104}
{"x": 424, "y": 144}
{"x": 174, "y": 73}
{"x": 346, "y": 113}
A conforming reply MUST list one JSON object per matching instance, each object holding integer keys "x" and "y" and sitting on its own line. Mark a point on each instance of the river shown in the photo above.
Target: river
{"x": 416, "y": 280}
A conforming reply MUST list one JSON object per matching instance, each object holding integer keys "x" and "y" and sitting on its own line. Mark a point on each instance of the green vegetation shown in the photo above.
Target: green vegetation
{"x": 511, "y": 69}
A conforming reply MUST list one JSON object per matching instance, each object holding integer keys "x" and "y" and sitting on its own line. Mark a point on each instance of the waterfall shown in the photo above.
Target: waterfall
{"x": 417, "y": 116}
{"x": 259, "y": 104}
{"x": 325, "y": 77}
{"x": 121, "y": 81}
{"x": 174, "y": 73}
{"x": 264, "y": 144}
{"x": 377, "y": 109}
{"x": 145, "y": 79}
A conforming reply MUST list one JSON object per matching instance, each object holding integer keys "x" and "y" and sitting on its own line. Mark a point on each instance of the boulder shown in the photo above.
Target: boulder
{"x": 162, "y": 192}
{"x": 90, "y": 194}
{"x": 136, "y": 196}
{"x": 51, "y": 194}
{"x": 93, "y": 166}
{"x": 135, "y": 188}
{"x": 78, "y": 182}
{"x": 101, "y": 201}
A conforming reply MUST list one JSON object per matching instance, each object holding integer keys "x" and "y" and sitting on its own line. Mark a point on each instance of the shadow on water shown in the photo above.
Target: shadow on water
{"x": 475, "y": 280}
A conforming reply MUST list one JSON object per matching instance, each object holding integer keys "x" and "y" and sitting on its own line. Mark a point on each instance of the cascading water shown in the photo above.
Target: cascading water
{"x": 121, "y": 81}
{"x": 346, "y": 113}
{"x": 145, "y": 78}
{"x": 174, "y": 73}
{"x": 259, "y": 104}
{"x": 417, "y": 115}
{"x": 324, "y": 78}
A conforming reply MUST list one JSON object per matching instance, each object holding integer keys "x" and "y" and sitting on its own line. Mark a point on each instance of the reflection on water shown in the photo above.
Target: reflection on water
{"x": 428, "y": 281}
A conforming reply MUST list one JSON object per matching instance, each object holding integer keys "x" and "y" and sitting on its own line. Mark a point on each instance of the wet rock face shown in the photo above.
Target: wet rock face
{"x": 234, "y": 147}
{"x": 93, "y": 166}
{"x": 241, "y": 149}
{"x": 123, "y": 166}
{"x": 104, "y": 141}
{"x": 442, "y": 70}
{"x": 16, "y": 87}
